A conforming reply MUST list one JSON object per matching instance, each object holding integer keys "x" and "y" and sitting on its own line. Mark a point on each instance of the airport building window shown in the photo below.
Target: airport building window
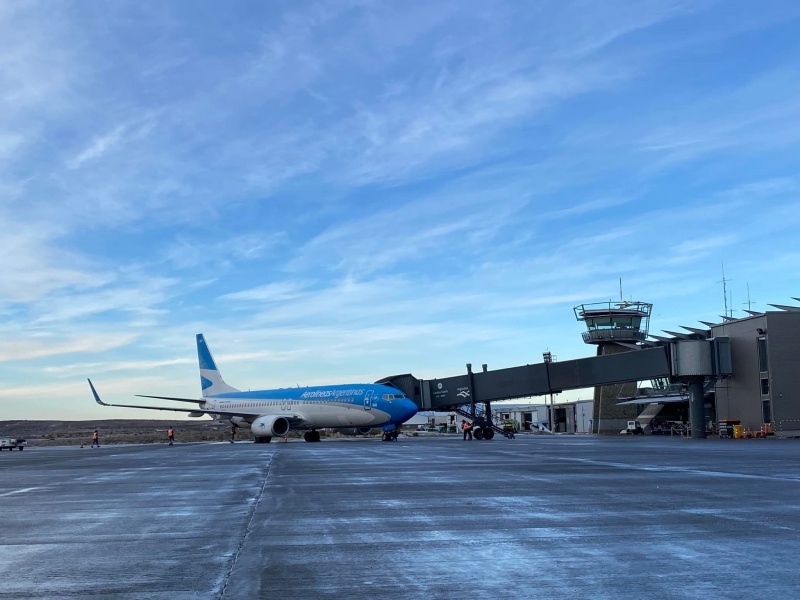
{"x": 765, "y": 386}
{"x": 763, "y": 365}
{"x": 766, "y": 411}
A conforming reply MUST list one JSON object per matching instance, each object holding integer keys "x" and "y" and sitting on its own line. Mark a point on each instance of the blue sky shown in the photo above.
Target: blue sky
{"x": 338, "y": 191}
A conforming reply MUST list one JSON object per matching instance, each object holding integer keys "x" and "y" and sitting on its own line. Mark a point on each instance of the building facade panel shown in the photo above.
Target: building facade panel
{"x": 765, "y": 385}
{"x": 782, "y": 335}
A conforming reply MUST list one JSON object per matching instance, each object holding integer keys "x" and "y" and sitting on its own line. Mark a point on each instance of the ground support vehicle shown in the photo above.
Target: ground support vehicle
{"x": 6, "y": 441}
{"x": 633, "y": 428}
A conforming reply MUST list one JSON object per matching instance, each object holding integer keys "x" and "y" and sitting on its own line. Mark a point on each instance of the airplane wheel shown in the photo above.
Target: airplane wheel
{"x": 488, "y": 434}
{"x": 262, "y": 440}
{"x": 478, "y": 433}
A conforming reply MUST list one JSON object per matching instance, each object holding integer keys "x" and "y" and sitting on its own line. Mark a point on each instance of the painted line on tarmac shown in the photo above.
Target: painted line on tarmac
{"x": 22, "y": 491}
{"x": 684, "y": 470}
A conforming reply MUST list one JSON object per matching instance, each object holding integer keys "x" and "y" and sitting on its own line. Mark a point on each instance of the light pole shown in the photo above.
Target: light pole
{"x": 548, "y": 358}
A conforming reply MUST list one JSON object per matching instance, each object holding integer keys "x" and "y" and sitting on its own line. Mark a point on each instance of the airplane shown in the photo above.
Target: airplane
{"x": 351, "y": 408}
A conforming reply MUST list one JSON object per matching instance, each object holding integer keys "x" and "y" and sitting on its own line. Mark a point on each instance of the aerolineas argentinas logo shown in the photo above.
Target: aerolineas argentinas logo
{"x": 333, "y": 393}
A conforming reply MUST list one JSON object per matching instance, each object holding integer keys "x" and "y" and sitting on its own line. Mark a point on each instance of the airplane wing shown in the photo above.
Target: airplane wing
{"x": 171, "y": 398}
{"x": 186, "y": 410}
{"x": 296, "y": 421}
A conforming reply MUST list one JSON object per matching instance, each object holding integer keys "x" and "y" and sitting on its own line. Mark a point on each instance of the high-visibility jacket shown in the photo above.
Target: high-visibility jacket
{"x": 95, "y": 436}
{"x": 169, "y": 432}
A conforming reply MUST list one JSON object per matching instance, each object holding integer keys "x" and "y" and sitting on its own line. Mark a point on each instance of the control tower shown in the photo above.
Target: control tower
{"x": 614, "y": 327}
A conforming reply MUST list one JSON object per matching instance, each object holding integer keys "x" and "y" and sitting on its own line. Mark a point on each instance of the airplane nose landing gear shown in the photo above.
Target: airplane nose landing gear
{"x": 311, "y": 436}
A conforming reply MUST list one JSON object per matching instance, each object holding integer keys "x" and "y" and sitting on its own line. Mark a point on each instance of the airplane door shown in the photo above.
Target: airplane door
{"x": 368, "y": 400}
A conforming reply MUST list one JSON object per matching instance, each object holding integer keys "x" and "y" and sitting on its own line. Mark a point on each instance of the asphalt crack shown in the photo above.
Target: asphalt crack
{"x": 248, "y": 529}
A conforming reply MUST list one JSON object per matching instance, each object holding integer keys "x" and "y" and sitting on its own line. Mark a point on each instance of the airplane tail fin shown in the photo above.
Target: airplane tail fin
{"x": 210, "y": 379}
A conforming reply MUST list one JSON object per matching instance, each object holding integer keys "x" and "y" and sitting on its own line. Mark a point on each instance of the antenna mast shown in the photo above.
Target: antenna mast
{"x": 749, "y": 303}
{"x": 724, "y": 283}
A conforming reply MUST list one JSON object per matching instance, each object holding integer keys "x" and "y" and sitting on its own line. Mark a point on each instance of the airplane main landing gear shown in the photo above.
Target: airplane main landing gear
{"x": 483, "y": 433}
{"x": 311, "y": 436}
{"x": 262, "y": 440}
{"x": 389, "y": 436}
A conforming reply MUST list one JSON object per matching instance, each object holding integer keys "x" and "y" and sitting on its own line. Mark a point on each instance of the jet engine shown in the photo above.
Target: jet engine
{"x": 270, "y": 426}
{"x": 355, "y": 430}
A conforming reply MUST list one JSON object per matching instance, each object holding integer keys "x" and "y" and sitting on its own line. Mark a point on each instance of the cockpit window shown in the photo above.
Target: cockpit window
{"x": 393, "y": 396}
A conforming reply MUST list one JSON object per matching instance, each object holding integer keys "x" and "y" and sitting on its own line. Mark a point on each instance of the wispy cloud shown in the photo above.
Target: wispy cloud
{"x": 98, "y": 147}
{"x": 25, "y": 349}
{"x": 131, "y": 365}
{"x": 31, "y": 267}
{"x": 186, "y": 253}
{"x": 272, "y": 292}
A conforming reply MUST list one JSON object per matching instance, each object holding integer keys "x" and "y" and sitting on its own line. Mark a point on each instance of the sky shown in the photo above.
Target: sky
{"x": 334, "y": 192}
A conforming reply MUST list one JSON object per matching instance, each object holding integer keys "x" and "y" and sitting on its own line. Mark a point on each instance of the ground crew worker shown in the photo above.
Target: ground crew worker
{"x": 95, "y": 439}
{"x": 170, "y": 435}
{"x": 467, "y": 428}
{"x": 233, "y": 433}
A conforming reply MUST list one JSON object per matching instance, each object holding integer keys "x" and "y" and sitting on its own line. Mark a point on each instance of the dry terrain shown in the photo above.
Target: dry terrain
{"x": 130, "y": 431}
{"x": 118, "y": 431}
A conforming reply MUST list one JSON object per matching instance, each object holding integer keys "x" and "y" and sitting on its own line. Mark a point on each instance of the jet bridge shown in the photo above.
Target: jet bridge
{"x": 688, "y": 360}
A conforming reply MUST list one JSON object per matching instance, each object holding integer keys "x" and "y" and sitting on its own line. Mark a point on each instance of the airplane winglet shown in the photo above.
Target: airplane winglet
{"x": 96, "y": 396}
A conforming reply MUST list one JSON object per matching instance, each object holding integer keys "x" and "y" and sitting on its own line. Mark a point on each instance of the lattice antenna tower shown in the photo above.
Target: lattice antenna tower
{"x": 724, "y": 283}
{"x": 749, "y": 302}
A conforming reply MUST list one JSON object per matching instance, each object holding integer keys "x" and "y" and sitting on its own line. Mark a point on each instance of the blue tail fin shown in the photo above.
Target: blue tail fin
{"x": 210, "y": 379}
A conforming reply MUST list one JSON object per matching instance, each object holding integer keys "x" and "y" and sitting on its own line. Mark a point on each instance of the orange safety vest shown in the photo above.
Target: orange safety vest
{"x": 169, "y": 432}
{"x": 94, "y": 435}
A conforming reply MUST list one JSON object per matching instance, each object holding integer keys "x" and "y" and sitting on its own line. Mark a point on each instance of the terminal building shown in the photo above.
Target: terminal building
{"x": 762, "y": 391}
{"x": 741, "y": 370}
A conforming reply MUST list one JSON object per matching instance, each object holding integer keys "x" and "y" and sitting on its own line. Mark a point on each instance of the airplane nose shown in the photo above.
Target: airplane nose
{"x": 406, "y": 409}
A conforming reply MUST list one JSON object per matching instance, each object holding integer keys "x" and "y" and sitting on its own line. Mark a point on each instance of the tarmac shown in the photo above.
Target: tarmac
{"x": 562, "y": 516}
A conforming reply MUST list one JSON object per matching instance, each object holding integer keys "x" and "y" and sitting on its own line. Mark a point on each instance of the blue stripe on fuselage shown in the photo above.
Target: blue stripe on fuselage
{"x": 359, "y": 391}
{"x": 399, "y": 409}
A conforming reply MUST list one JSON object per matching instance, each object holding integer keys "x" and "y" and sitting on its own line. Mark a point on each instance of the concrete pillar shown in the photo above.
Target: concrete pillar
{"x": 697, "y": 416}
{"x": 471, "y": 392}
{"x": 607, "y": 416}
